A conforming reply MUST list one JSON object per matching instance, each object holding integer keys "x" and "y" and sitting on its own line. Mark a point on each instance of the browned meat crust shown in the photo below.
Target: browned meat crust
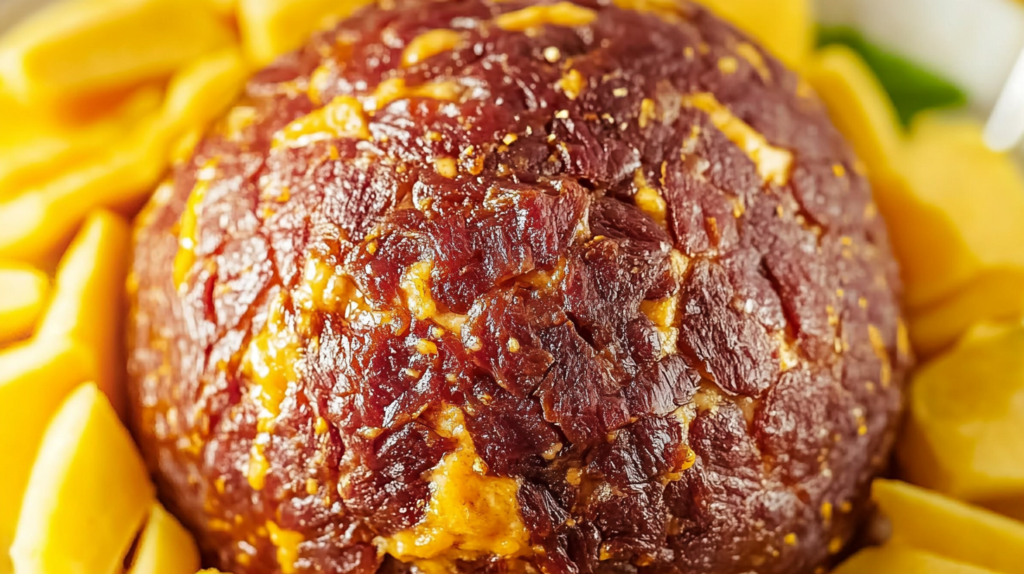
{"x": 627, "y": 244}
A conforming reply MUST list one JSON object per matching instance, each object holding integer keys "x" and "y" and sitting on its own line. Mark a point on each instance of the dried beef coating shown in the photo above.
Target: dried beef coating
{"x": 495, "y": 286}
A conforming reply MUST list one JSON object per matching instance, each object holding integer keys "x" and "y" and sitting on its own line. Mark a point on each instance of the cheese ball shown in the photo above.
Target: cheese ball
{"x": 502, "y": 286}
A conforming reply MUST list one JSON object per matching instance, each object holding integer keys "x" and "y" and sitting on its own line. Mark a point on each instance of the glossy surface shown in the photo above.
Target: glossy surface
{"x": 363, "y": 244}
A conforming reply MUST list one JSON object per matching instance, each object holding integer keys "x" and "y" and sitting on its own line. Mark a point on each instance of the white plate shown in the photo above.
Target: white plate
{"x": 974, "y": 43}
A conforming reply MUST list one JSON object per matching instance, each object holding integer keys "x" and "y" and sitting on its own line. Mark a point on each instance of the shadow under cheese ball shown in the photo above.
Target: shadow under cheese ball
{"x": 471, "y": 286}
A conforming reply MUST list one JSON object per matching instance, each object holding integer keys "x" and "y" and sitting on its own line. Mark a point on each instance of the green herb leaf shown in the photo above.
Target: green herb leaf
{"x": 912, "y": 88}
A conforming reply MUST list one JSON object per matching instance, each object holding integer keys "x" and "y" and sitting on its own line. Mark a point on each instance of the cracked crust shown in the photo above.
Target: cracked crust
{"x": 644, "y": 268}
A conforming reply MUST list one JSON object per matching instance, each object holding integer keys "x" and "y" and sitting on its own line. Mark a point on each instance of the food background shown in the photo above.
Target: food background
{"x": 909, "y": 83}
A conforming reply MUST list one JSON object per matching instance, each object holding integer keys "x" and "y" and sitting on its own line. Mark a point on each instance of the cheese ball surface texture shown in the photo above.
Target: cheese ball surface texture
{"x": 477, "y": 286}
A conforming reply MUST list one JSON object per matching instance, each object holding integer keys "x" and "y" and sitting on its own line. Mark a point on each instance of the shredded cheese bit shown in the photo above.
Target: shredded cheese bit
{"x": 188, "y": 225}
{"x": 287, "y": 543}
{"x": 395, "y": 89}
{"x": 667, "y": 10}
{"x": 319, "y": 81}
{"x": 689, "y": 458}
{"x": 708, "y": 398}
{"x": 415, "y": 285}
{"x": 341, "y": 118}
{"x": 469, "y": 515}
{"x": 321, "y": 427}
{"x": 256, "y": 472}
{"x": 753, "y": 57}
{"x": 572, "y": 84}
{"x": 679, "y": 264}
{"x": 902, "y": 339}
{"x": 564, "y": 14}
{"x": 648, "y": 112}
{"x": 430, "y": 44}
{"x": 663, "y": 314}
{"x": 237, "y": 121}
{"x": 804, "y": 90}
{"x": 826, "y": 511}
{"x": 272, "y": 362}
{"x": 789, "y": 359}
{"x": 545, "y": 280}
{"x": 552, "y": 452}
{"x": 878, "y": 344}
{"x": 728, "y": 65}
{"x": 773, "y": 164}
{"x": 649, "y": 200}
{"x": 425, "y": 347}
{"x": 325, "y": 288}
{"x": 446, "y": 167}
